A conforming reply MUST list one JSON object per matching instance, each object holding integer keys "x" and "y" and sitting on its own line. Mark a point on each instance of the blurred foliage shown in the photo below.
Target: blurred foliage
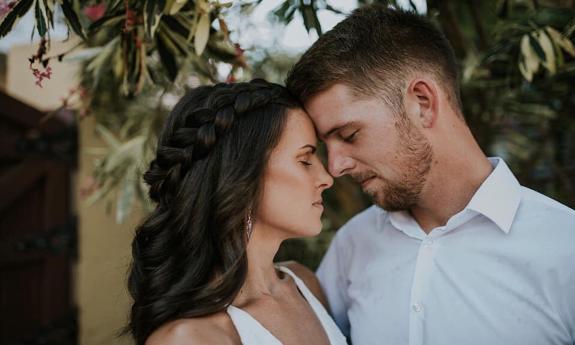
{"x": 517, "y": 64}
{"x": 518, "y": 68}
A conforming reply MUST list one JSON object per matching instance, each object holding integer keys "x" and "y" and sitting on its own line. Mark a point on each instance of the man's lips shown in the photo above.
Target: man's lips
{"x": 318, "y": 203}
{"x": 363, "y": 178}
{"x": 366, "y": 181}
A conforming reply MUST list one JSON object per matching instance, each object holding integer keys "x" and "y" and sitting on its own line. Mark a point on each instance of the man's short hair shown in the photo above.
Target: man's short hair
{"x": 373, "y": 51}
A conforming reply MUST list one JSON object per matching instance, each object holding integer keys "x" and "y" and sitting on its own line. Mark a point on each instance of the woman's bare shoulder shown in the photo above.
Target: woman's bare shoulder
{"x": 308, "y": 277}
{"x": 214, "y": 329}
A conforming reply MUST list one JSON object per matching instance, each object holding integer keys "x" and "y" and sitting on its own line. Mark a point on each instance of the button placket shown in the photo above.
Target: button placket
{"x": 417, "y": 307}
{"x": 422, "y": 274}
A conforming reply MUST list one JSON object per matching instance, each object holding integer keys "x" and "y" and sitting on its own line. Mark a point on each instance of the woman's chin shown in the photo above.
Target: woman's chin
{"x": 309, "y": 231}
{"x": 313, "y": 231}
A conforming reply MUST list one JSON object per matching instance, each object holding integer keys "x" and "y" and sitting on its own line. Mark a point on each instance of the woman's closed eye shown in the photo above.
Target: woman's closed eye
{"x": 307, "y": 157}
{"x": 310, "y": 159}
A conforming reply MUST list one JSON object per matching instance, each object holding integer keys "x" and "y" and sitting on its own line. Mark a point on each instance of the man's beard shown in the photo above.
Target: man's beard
{"x": 415, "y": 157}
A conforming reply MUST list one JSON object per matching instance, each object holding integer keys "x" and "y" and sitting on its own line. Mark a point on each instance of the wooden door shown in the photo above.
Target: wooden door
{"x": 37, "y": 229}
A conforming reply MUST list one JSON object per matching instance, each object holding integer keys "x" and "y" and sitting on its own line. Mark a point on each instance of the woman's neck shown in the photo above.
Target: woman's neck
{"x": 262, "y": 278}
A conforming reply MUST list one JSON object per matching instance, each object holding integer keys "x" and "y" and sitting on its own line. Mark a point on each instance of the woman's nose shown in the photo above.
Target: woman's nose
{"x": 326, "y": 180}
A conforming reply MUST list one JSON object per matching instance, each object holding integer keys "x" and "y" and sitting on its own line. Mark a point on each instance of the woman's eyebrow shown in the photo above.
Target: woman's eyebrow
{"x": 313, "y": 148}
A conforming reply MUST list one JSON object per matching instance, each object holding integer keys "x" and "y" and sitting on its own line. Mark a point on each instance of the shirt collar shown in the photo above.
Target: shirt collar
{"x": 499, "y": 196}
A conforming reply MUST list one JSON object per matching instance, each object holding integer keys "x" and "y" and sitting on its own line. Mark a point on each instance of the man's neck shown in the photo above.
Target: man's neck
{"x": 451, "y": 185}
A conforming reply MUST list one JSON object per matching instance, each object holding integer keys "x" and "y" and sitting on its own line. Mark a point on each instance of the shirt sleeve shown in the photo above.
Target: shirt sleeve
{"x": 333, "y": 279}
{"x": 567, "y": 290}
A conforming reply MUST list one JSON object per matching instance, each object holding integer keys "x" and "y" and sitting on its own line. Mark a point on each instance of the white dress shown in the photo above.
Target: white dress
{"x": 253, "y": 333}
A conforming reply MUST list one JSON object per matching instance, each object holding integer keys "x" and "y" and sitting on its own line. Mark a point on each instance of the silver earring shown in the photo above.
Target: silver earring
{"x": 249, "y": 224}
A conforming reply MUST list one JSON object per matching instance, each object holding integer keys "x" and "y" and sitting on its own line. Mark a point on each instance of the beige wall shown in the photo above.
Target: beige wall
{"x": 103, "y": 246}
{"x": 104, "y": 258}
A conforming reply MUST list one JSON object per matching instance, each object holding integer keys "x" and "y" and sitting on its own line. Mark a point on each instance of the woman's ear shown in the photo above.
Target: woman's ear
{"x": 423, "y": 95}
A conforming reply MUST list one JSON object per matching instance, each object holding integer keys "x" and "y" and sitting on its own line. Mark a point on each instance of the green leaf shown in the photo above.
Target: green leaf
{"x": 72, "y": 18}
{"x": 167, "y": 58}
{"x": 546, "y": 44}
{"x": 40, "y": 19}
{"x": 48, "y": 7}
{"x": 502, "y": 8}
{"x": 109, "y": 21}
{"x": 536, "y": 47}
{"x": 177, "y": 25}
{"x": 178, "y": 45}
{"x": 116, "y": 5}
{"x": 561, "y": 41}
{"x": 101, "y": 60}
{"x": 286, "y": 11}
{"x": 202, "y": 6}
{"x": 333, "y": 9}
{"x": 202, "y": 33}
{"x": 19, "y": 10}
{"x": 99, "y": 193}
{"x": 126, "y": 196}
{"x": 529, "y": 63}
{"x": 174, "y": 6}
{"x": 225, "y": 4}
{"x": 117, "y": 64}
{"x": 126, "y": 153}
{"x": 310, "y": 19}
{"x": 108, "y": 137}
{"x": 152, "y": 14}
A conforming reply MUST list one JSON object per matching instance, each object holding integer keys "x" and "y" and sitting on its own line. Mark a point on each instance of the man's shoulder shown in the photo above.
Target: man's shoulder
{"x": 541, "y": 222}
{"x": 364, "y": 222}
{"x": 536, "y": 207}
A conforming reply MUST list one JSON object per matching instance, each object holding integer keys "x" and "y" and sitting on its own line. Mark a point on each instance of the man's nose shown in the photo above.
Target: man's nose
{"x": 338, "y": 164}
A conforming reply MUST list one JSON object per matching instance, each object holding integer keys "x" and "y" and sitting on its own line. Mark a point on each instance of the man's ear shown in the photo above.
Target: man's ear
{"x": 423, "y": 92}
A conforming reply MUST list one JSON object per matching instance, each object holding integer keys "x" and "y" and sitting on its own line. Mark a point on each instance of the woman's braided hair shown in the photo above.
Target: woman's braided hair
{"x": 189, "y": 254}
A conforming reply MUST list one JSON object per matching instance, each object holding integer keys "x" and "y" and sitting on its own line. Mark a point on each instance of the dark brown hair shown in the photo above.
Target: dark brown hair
{"x": 372, "y": 51}
{"x": 189, "y": 254}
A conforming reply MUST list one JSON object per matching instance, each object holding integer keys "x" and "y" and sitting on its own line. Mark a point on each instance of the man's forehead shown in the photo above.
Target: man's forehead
{"x": 328, "y": 105}
{"x": 334, "y": 108}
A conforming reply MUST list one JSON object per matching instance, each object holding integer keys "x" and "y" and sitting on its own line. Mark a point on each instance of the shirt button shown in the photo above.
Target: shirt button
{"x": 417, "y": 307}
{"x": 428, "y": 242}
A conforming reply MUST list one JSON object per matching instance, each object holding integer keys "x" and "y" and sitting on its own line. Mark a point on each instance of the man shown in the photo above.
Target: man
{"x": 455, "y": 251}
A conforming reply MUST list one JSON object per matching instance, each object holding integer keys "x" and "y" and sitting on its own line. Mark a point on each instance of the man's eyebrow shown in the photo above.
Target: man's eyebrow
{"x": 313, "y": 148}
{"x": 337, "y": 128}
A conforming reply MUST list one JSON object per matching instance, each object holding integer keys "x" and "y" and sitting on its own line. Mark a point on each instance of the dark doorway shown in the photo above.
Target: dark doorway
{"x": 37, "y": 228}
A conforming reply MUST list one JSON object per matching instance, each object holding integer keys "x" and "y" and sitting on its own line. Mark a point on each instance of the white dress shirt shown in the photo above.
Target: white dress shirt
{"x": 502, "y": 271}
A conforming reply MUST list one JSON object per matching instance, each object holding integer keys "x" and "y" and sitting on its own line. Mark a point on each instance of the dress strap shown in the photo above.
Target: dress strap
{"x": 250, "y": 330}
{"x": 333, "y": 332}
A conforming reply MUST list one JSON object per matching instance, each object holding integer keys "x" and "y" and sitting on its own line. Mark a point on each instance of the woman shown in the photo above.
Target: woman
{"x": 236, "y": 173}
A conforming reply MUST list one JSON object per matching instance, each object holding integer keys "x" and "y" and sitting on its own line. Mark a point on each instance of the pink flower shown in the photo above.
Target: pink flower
{"x": 40, "y": 75}
{"x": 5, "y": 7}
{"x": 95, "y": 12}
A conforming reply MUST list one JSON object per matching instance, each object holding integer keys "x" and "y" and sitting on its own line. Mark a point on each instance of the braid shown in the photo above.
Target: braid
{"x": 189, "y": 254}
{"x": 201, "y": 129}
